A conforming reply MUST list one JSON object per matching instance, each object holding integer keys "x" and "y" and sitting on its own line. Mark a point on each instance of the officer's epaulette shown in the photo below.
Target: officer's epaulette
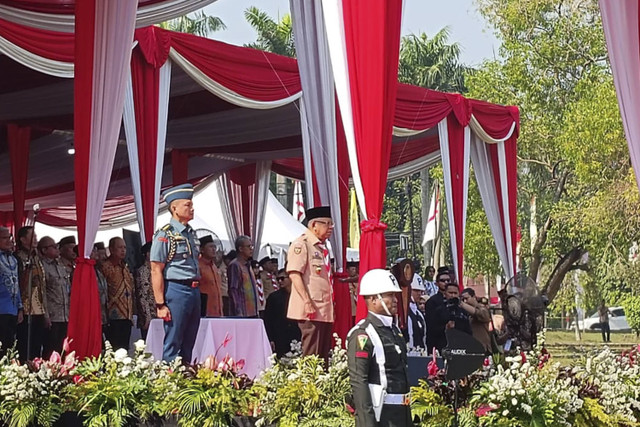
{"x": 167, "y": 227}
{"x": 357, "y": 326}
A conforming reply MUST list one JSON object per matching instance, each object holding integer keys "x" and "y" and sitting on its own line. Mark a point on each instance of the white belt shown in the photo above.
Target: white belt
{"x": 397, "y": 399}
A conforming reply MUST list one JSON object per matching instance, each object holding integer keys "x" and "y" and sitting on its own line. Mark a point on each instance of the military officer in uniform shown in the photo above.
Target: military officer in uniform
{"x": 377, "y": 357}
{"x": 175, "y": 274}
{"x": 309, "y": 267}
{"x": 416, "y": 324}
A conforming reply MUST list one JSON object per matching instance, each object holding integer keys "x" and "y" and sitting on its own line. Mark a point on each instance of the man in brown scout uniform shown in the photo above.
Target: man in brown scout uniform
{"x": 309, "y": 267}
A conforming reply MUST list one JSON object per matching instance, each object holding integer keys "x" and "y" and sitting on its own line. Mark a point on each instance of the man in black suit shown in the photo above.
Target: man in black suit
{"x": 280, "y": 330}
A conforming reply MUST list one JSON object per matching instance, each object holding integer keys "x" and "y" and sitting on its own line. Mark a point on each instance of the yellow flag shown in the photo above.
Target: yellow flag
{"x": 354, "y": 221}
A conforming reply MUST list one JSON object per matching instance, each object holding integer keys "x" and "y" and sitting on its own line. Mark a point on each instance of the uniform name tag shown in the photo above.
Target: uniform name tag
{"x": 362, "y": 354}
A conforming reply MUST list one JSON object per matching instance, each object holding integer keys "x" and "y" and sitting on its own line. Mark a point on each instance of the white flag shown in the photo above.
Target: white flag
{"x": 432, "y": 229}
{"x": 298, "y": 203}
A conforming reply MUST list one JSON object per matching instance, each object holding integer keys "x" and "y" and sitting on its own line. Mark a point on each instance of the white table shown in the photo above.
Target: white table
{"x": 249, "y": 341}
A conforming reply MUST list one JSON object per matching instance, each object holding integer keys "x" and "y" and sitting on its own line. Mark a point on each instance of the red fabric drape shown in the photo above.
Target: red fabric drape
{"x": 179, "y": 167}
{"x": 145, "y": 79}
{"x": 85, "y": 325}
{"x": 19, "y": 138}
{"x": 45, "y": 43}
{"x": 372, "y": 38}
{"x": 242, "y": 196}
{"x": 343, "y": 321}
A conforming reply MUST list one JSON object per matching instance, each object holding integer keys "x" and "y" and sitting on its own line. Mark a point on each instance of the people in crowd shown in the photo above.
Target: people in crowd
{"x": 429, "y": 283}
{"x": 67, "y": 255}
{"x": 280, "y": 330}
{"x": 224, "y": 281}
{"x": 103, "y": 290}
{"x": 268, "y": 269}
{"x": 458, "y": 317}
{"x": 353, "y": 270}
{"x": 11, "y": 308}
{"x": 174, "y": 275}
{"x": 34, "y": 296}
{"x": 120, "y": 294}
{"x": 242, "y": 281}
{"x": 309, "y": 267}
{"x": 210, "y": 281}
{"x": 144, "y": 302}
{"x": 603, "y": 315}
{"x": 417, "y": 325}
{"x": 380, "y": 390}
{"x": 101, "y": 252}
{"x": 479, "y": 318}
{"x": 436, "y": 313}
{"x": 58, "y": 289}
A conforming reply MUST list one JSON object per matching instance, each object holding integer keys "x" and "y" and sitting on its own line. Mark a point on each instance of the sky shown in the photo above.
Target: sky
{"x": 466, "y": 25}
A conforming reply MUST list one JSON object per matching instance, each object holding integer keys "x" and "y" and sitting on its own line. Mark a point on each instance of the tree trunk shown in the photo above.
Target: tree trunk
{"x": 563, "y": 266}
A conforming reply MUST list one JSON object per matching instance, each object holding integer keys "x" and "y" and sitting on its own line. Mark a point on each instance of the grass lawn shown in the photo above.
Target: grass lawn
{"x": 590, "y": 338}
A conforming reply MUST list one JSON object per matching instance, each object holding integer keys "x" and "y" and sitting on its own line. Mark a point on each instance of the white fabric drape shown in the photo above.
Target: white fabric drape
{"x": 35, "y": 62}
{"x": 146, "y": 15}
{"x": 114, "y": 25}
{"x": 457, "y": 236}
{"x": 130, "y": 129}
{"x": 224, "y": 93}
{"x": 263, "y": 175}
{"x": 621, "y": 29}
{"x": 231, "y": 203}
{"x": 318, "y": 113}
{"x": 334, "y": 25}
{"x": 483, "y": 170}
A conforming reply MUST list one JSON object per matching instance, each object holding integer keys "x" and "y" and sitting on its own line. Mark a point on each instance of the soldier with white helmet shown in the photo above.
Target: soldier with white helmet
{"x": 377, "y": 356}
{"x": 416, "y": 324}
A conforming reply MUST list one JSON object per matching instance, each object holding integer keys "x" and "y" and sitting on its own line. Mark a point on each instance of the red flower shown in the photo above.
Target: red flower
{"x": 523, "y": 356}
{"x": 486, "y": 362}
{"x": 483, "y": 410}
{"x": 240, "y": 364}
{"x": 227, "y": 339}
{"x": 77, "y": 379}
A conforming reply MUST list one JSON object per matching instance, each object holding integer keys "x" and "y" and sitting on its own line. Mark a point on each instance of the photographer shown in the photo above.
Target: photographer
{"x": 436, "y": 314}
{"x": 458, "y": 310}
{"x": 480, "y": 318}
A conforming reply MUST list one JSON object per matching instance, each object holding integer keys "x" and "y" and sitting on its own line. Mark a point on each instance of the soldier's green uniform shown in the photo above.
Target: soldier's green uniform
{"x": 373, "y": 339}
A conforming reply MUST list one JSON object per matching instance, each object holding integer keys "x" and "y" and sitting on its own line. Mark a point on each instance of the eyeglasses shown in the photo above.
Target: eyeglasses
{"x": 280, "y": 279}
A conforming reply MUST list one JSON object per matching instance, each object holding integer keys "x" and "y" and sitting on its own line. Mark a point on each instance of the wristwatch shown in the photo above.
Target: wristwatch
{"x": 160, "y": 304}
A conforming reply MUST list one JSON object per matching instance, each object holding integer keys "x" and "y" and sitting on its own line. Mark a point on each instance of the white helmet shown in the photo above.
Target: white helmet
{"x": 417, "y": 284}
{"x": 378, "y": 281}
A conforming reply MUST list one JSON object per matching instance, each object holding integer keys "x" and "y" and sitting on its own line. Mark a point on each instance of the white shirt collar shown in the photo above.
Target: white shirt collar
{"x": 386, "y": 320}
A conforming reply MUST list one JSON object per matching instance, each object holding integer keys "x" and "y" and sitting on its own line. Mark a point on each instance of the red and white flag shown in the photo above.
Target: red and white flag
{"x": 298, "y": 202}
{"x": 432, "y": 230}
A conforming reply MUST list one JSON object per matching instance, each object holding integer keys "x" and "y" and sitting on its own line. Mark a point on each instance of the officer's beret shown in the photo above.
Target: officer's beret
{"x": 264, "y": 260}
{"x": 182, "y": 191}
{"x": 67, "y": 240}
{"x": 145, "y": 248}
{"x": 206, "y": 239}
{"x": 319, "y": 212}
{"x": 99, "y": 246}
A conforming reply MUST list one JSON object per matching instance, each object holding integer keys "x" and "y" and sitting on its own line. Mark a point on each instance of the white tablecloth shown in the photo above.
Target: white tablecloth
{"x": 248, "y": 341}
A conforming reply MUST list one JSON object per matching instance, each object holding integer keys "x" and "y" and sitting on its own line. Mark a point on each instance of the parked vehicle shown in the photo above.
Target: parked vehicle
{"x": 617, "y": 321}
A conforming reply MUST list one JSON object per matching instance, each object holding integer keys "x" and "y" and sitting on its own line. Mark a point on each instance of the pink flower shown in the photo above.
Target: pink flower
{"x": 222, "y": 366}
{"x": 55, "y": 357}
{"x": 77, "y": 379}
{"x": 240, "y": 364}
{"x": 227, "y": 339}
{"x": 70, "y": 360}
{"x": 37, "y": 362}
{"x": 432, "y": 369}
{"x": 483, "y": 410}
{"x": 66, "y": 345}
{"x": 486, "y": 362}
{"x": 210, "y": 363}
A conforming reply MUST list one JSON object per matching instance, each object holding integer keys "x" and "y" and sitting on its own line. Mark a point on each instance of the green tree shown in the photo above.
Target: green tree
{"x": 574, "y": 164}
{"x": 434, "y": 63}
{"x": 273, "y": 35}
{"x": 198, "y": 23}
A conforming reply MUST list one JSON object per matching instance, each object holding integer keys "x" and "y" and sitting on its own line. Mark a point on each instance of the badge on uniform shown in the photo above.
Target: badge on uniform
{"x": 318, "y": 270}
{"x": 316, "y": 255}
{"x": 163, "y": 239}
{"x": 297, "y": 250}
{"x": 362, "y": 340}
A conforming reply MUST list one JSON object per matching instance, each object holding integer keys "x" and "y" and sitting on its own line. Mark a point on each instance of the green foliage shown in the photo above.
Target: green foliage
{"x": 299, "y": 392}
{"x": 592, "y": 414}
{"x": 198, "y": 23}
{"x": 273, "y": 36}
{"x": 211, "y": 399}
{"x": 429, "y": 406}
{"x": 631, "y": 304}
